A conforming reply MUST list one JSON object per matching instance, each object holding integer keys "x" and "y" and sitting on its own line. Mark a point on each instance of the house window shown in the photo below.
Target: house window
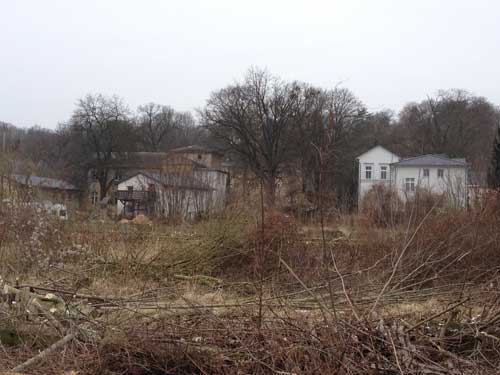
{"x": 383, "y": 172}
{"x": 409, "y": 184}
{"x": 440, "y": 173}
{"x": 426, "y": 173}
{"x": 368, "y": 172}
{"x": 199, "y": 156}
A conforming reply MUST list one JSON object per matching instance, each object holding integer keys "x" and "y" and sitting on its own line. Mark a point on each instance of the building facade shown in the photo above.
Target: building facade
{"x": 374, "y": 168}
{"x": 164, "y": 195}
{"x": 185, "y": 176}
{"x": 436, "y": 174}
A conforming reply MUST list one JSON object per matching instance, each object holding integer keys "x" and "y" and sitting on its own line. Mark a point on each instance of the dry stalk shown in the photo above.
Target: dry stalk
{"x": 395, "y": 267}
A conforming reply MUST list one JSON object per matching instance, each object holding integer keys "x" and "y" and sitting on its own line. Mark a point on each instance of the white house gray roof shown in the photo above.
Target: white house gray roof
{"x": 43, "y": 182}
{"x": 431, "y": 161}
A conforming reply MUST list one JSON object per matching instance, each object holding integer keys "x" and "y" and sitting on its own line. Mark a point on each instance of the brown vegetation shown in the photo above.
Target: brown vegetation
{"x": 233, "y": 295}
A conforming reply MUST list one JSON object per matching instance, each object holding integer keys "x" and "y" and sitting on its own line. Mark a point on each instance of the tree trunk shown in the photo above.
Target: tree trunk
{"x": 270, "y": 191}
{"x": 103, "y": 185}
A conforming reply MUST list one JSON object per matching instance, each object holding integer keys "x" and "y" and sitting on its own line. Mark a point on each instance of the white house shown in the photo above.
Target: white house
{"x": 374, "y": 168}
{"x": 435, "y": 173}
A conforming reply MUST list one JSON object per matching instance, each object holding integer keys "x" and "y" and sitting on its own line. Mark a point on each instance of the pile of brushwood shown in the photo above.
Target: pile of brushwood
{"x": 53, "y": 331}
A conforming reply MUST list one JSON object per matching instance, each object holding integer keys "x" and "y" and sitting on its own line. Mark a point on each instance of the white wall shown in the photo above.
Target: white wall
{"x": 171, "y": 201}
{"x": 376, "y": 158}
{"x": 138, "y": 182}
{"x": 453, "y": 183}
{"x": 217, "y": 180}
{"x": 186, "y": 203}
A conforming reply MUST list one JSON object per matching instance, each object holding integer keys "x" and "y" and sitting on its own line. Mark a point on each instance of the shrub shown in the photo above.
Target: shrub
{"x": 382, "y": 206}
{"x": 32, "y": 238}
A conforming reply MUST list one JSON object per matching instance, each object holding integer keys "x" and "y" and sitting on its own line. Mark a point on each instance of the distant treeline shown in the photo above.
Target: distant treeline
{"x": 272, "y": 127}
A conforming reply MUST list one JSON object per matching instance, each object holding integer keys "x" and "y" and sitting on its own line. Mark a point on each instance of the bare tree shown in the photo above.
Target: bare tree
{"x": 102, "y": 128}
{"x": 155, "y": 122}
{"x": 10, "y": 137}
{"x": 255, "y": 119}
{"x": 335, "y": 122}
{"x": 455, "y": 123}
{"x": 494, "y": 169}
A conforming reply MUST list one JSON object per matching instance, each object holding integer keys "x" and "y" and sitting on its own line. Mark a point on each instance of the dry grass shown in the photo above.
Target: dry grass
{"x": 233, "y": 296}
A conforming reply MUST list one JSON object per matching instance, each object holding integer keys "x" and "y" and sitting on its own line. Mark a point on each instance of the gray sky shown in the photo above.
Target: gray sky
{"x": 388, "y": 52}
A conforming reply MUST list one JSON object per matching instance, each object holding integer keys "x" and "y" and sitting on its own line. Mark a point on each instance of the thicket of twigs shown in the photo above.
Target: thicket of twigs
{"x": 235, "y": 295}
{"x": 383, "y": 207}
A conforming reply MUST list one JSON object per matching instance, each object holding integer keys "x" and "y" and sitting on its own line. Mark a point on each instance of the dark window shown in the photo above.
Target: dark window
{"x": 383, "y": 172}
{"x": 368, "y": 172}
{"x": 409, "y": 184}
{"x": 426, "y": 173}
{"x": 440, "y": 173}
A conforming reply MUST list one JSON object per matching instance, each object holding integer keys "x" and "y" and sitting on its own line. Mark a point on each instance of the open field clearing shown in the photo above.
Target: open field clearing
{"x": 230, "y": 295}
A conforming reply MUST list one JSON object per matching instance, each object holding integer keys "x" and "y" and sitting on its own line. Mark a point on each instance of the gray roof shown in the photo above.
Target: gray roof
{"x": 43, "y": 182}
{"x": 197, "y": 149}
{"x": 175, "y": 180}
{"x": 149, "y": 160}
{"x": 431, "y": 160}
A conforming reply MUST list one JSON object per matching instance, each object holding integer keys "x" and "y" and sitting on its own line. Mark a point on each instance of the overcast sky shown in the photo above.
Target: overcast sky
{"x": 388, "y": 52}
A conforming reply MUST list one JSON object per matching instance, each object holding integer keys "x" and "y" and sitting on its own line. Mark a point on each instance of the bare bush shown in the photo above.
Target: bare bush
{"x": 235, "y": 294}
{"x": 382, "y": 206}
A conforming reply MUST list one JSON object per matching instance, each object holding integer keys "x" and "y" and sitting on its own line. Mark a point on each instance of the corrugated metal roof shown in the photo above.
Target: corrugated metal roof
{"x": 43, "y": 182}
{"x": 432, "y": 160}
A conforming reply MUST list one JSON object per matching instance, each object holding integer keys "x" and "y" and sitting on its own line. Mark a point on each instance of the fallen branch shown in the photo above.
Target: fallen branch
{"x": 67, "y": 292}
{"x": 45, "y": 353}
{"x": 437, "y": 315}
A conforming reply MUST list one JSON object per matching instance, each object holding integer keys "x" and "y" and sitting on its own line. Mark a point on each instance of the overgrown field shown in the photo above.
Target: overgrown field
{"x": 235, "y": 295}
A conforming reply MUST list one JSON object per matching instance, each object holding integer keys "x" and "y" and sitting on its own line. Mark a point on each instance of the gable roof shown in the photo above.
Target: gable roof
{"x": 43, "y": 182}
{"x": 373, "y": 148}
{"x": 431, "y": 160}
{"x": 150, "y": 160}
{"x": 173, "y": 180}
{"x": 196, "y": 148}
